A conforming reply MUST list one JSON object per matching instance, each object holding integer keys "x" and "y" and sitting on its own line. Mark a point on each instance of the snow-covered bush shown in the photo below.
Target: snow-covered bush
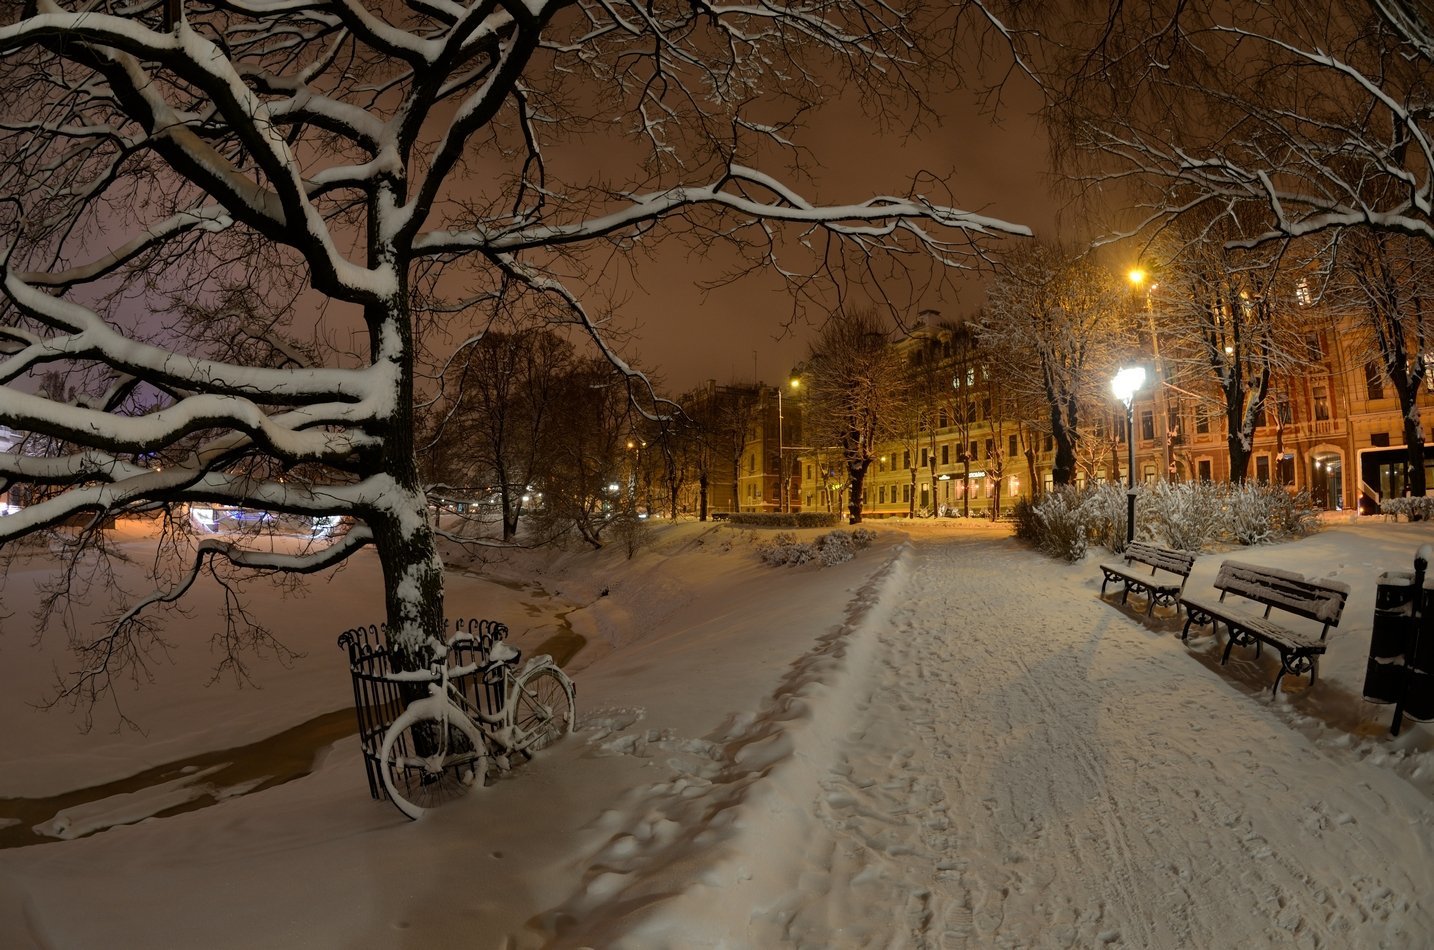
{"x": 1186, "y": 516}
{"x": 1249, "y": 515}
{"x": 1293, "y": 514}
{"x": 1062, "y": 522}
{"x": 835, "y": 547}
{"x": 1028, "y": 523}
{"x": 784, "y": 519}
{"x": 831, "y": 548}
{"x": 631, "y": 532}
{"x": 777, "y": 550}
{"x": 1104, "y": 507}
{"x": 1413, "y": 509}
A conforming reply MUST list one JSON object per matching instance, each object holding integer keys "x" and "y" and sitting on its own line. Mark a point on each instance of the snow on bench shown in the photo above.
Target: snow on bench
{"x": 1300, "y": 651}
{"x": 1164, "y": 582}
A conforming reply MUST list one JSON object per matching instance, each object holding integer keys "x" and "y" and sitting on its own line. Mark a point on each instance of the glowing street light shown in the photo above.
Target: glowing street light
{"x": 1124, "y": 385}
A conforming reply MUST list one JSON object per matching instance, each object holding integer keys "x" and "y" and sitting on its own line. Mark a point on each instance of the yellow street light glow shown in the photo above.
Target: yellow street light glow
{"x": 1127, "y": 381}
{"x": 1136, "y": 276}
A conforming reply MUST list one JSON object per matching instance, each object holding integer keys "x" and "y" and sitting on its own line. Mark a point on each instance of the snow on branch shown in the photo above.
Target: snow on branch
{"x": 91, "y": 337}
{"x": 878, "y": 216}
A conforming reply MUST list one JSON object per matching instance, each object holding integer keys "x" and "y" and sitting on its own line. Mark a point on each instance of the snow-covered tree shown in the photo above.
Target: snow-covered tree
{"x": 1304, "y": 120}
{"x": 1379, "y": 283}
{"x": 1059, "y": 324}
{"x": 495, "y": 422}
{"x": 1315, "y": 114}
{"x": 1229, "y": 326}
{"x": 388, "y": 167}
{"x": 856, "y": 395}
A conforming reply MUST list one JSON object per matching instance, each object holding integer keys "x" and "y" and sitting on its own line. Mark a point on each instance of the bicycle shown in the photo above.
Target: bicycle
{"x": 443, "y": 744}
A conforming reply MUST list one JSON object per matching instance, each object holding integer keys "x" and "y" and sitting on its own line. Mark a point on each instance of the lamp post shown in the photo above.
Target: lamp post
{"x": 1165, "y": 432}
{"x": 782, "y": 447}
{"x": 1124, "y": 385}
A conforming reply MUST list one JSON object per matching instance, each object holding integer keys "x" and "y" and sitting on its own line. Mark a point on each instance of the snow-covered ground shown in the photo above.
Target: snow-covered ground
{"x": 946, "y": 742}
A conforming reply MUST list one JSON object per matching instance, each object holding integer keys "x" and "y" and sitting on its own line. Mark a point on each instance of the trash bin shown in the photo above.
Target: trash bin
{"x": 1401, "y": 643}
{"x": 1395, "y": 627}
{"x": 1419, "y": 667}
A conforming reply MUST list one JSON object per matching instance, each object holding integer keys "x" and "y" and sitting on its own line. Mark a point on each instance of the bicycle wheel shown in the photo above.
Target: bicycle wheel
{"x": 542, "y": 708}
{"x": 431, "y": 755}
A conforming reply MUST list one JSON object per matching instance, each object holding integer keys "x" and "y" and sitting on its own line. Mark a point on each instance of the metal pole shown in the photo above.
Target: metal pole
{"x": 781, "y": 457}
{"x": 1130, "y": 470}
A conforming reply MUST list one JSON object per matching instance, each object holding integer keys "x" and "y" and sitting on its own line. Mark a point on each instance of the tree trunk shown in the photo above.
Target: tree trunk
{"x": 702, "y": 497}
{"x": 856, "y": 477}
{"x": 1063, "y": 468}
{"x": 1414, "y": 456}
{"x": 966, "y": 491}
{"x": 403, "y": 536}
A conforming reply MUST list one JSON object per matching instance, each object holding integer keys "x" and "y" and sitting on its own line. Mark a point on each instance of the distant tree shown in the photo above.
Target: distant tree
{"x": 1380, "y": 283}
{"x": 719, "y": 417}
{"x": 967, "y": 370}
{"x": 857, "y": 393}
{"x": 591, "y": 472}
{"x": 1058, "y": 323}
{"x": 736, "y": 417}
{"x": 1229, "y": 325}
{"x": 928, "y": 392}
{"x": 672, "y": 441}
{"x": 393, "y": 166}
{"x": 494, "y": 424}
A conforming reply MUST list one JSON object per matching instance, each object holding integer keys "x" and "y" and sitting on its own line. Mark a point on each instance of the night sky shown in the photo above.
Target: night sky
{"x": 736, "y": 333}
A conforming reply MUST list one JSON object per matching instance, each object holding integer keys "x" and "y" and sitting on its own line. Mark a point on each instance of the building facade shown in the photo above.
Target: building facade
{"x": 1333, "y": 429}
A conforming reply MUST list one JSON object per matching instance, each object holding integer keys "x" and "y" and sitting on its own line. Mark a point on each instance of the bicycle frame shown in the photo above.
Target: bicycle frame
{"x": 427, "y": 761}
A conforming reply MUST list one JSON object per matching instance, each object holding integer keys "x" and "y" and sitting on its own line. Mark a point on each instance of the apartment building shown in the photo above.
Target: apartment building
{"x": 1333, "y": 429}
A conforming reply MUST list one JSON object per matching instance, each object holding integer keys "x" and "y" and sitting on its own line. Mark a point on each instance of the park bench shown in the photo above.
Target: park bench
{"x": 1289, "y": 592}
{"x": 1164, "y": 582}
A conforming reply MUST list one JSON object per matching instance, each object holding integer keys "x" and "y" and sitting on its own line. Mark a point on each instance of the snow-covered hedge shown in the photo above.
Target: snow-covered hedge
{"x": 1187, "y": 516}
{"x": 831, "y": 548}
{"x": 1059, "y": 524}
{"x": 1413, "y": 509}
{"x": 779, "y": 519}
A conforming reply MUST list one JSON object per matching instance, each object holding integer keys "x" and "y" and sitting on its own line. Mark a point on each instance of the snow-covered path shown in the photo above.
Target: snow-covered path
{"x": 1027, "y": 790}
{"x": 1009, "y": 774}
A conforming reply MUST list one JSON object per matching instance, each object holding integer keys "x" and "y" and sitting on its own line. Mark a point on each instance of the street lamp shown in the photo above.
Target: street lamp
{"x": 1124, "y": 385}
{"x": 782, "y": 446}
{"x": 1166, "y": 433}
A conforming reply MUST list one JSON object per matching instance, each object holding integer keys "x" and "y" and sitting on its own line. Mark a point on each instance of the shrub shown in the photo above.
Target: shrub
{"x": 831, "y": 548}
{"x": 777, "y": 551}
{"x": 1104, "y": 505}
{"x": 1063, "y": 529}
{"x": 1413, "y": 509}
{"x": 1294, "y": 515}
{"x": 1184, "y": 515}
{"x": 835, "y": 548}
